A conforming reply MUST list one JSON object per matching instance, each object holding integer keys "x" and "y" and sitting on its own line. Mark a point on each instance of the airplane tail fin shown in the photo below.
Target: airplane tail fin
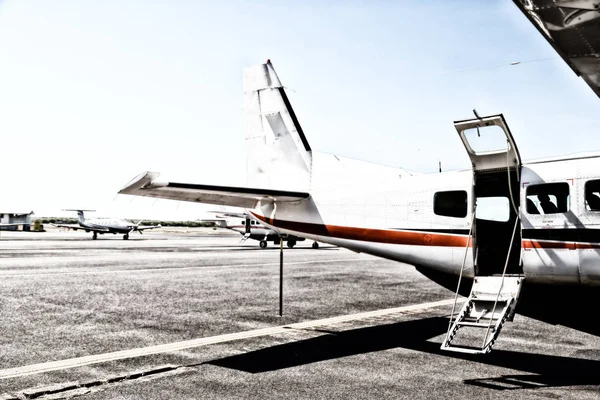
{"x": 278, "y": 154}
{"x": 80, "y": 214}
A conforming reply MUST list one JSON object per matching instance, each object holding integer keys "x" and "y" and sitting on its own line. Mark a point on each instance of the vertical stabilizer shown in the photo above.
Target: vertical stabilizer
{"x": 278, "y": 154}
{"x": 80, "y": 214}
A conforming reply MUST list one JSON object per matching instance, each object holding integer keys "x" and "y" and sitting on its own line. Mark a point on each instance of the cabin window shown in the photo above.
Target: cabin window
{"x": 243, "y": 222}
{"x": 592, "y": 195}
{"x": 493, "y": 208}
{"x": 450, "y": 204}
{"x": 252, "y": 222}
{"x": 548, "y": 198}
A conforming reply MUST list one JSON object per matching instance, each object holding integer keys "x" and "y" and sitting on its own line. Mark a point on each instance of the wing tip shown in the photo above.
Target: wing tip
{"x": 139, "y": 182}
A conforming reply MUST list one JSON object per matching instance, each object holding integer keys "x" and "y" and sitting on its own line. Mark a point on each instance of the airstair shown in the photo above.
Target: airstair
{"x": 496, "y": 285}
{"x": 491, "y": 303}
{"x": 245, "y": 237}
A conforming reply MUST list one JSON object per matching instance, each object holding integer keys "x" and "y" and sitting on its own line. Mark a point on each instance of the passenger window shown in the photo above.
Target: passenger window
{"x": 548, "y": 198}
{"x": 493, "y": 208}
{"x": 243, "y": 222}
{"x": 592, "y": 195}
{"x": 252, "y": 222}
{"x": 450, "y": 204}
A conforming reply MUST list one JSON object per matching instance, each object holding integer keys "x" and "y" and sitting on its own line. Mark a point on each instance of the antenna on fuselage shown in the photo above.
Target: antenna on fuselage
{"x": 440, "y": 165}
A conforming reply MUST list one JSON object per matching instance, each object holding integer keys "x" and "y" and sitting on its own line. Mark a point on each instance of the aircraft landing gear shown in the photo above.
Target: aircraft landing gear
{"x": 263, "y": 244}
{"x": 291, "y": 244}
{"x": 126, "y": 236}
{"x": 315, "y": 245}
{"x": 94, "y": 236}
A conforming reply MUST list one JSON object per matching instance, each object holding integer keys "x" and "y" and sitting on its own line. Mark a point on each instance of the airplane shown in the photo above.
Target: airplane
{"x": 253, "y": 229}
{"x": 512, "y": 236}
{"x": 105, "y": 225}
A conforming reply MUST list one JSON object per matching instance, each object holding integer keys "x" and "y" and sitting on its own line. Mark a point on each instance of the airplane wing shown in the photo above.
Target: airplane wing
{"x": 145, "y": 227}
{"x": 572, "y": 28}
{"x": 146, "y": 184}
{"x": 230, "y": 214}
{"x": 79, "y": 227}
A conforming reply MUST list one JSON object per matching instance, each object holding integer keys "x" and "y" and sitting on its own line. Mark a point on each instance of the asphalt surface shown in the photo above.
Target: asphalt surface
{"x": 65, "y": 297}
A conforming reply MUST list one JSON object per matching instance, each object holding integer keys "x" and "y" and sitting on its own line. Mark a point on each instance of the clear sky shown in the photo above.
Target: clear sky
{"x": 94, "y": 93}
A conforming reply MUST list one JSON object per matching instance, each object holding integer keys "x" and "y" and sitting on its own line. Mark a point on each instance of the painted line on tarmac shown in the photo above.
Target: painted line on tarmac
{"x": 188, "y": 344}
{"x": 20, "y": 275}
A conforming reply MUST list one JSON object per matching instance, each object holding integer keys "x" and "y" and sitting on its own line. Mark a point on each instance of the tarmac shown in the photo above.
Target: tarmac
{"x": 194, "y": 313}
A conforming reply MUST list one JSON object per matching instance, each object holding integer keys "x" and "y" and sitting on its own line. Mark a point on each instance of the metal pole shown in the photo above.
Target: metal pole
{"x": 280, "y": 276}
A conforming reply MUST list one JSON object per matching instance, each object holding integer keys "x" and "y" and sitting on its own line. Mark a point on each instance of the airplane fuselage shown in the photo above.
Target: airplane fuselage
{"x": 397, "y": 221}
{"x": 110, "y": 225}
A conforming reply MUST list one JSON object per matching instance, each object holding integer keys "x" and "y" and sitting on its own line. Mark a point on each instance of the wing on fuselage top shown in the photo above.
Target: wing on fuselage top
{"x": 146, "y": 184}
{"x": 573, "y": 29}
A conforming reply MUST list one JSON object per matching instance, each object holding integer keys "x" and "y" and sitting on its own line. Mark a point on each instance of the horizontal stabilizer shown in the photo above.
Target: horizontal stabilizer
{"x": 146, "y": 184}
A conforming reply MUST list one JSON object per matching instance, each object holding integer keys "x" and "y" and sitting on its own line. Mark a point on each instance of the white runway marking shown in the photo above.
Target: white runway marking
{"x": 158, "y": 269}
{"x": 187, "y": 344}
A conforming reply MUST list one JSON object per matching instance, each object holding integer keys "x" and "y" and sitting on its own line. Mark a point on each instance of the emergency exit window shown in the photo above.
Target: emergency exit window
{"x": 452, "y": 203}
{"x": 592, "y": 195}
{"x": 548, "y": 198}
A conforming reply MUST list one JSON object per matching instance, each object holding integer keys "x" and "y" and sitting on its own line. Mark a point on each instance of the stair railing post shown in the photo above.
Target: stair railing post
{"x": 461, "y": 274}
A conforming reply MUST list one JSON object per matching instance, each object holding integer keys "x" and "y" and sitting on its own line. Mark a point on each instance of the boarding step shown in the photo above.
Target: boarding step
{"x": 491, "y": 303}
{"x": 245, "y": 237}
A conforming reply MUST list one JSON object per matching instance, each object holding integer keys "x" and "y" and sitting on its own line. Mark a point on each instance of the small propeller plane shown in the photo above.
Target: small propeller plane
{"x": 510, "y": 235}
{"x": 253, "y": 229}
{"x": 105, "y": 225}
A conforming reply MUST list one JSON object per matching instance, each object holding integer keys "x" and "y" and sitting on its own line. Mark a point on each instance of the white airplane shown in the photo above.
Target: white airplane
{"x": 512, "y": 236}
{"x": 253, "y": 229}
{"x": 105, "y": 225}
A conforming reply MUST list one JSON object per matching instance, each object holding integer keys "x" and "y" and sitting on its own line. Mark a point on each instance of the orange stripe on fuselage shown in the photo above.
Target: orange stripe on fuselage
{"x": 407, "y": 237}
{"x": 370, "y": 235}
{"x": 541, "y": 244}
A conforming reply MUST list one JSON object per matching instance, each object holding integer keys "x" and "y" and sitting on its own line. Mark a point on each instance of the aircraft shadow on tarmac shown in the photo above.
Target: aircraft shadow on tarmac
{"x": 541, "y": 370}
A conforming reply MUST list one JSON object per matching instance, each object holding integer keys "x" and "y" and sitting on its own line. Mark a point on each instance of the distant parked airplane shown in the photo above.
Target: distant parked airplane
{"x": 253, "y": 229}
{"x": 105, "y": 225}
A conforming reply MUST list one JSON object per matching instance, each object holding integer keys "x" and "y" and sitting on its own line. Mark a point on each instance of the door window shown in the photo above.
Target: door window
{"x": 493, "y": 208}
{"x": 488, "y": 139}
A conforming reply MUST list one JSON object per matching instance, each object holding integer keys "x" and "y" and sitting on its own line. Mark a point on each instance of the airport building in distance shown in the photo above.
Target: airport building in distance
{"x": 13, "y": 220}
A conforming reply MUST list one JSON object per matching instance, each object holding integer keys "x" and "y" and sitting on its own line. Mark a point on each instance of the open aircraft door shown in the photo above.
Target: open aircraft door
{"x": 495, "y": 231}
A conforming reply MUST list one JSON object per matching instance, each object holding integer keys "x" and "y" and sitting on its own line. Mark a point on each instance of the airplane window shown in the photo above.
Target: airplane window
{"x": 252, "y": 222}
{"x": 450, "y": 204}
{"x": 243, "y": 222}
{"x": 493, "y": 208}
{"x": 592, "y": 195}
{"x": 548, "y": 198}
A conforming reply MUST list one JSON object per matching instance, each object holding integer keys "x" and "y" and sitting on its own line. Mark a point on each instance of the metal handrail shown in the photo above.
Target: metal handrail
{"x": 512, "y": 239}
{"x": 461, "y": 273}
